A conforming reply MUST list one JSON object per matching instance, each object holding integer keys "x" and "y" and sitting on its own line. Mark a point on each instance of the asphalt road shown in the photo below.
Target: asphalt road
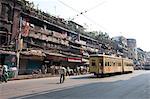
{"x": 126, "y": 86}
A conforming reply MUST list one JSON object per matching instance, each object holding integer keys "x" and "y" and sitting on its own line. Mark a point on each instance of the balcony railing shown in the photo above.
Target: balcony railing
{"x": 56, "y": 38}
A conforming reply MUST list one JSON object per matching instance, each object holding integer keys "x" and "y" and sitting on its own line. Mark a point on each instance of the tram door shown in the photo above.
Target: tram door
{"x": 100, "y": 65}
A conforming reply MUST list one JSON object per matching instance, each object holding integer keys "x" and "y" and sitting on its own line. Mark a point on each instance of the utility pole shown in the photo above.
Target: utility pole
{"x": 19, "y": 47}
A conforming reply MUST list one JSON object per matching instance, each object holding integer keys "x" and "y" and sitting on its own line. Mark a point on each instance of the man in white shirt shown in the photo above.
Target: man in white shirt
{"x": 62, "y": 71}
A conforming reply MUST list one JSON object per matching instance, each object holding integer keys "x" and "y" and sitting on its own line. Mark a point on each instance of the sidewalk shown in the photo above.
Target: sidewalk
{"x": 35, "y": 76}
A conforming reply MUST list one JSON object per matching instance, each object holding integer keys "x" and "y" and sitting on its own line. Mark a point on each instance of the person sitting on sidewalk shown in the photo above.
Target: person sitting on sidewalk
{"x": 4, "y": 76}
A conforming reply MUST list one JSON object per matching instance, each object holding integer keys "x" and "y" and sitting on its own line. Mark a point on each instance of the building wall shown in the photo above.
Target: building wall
{"x": 147, "y": 57}
{"x": 141, "y": 56}
{"x": 16, "y": 19}
{"x": 121, "y": 45}
{"x": 5, "y": 21}
{"x": 133, "y": 48}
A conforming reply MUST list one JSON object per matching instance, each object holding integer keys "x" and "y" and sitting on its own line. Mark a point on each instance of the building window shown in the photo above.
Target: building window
{"x": 2, "y": 39}
{"x": 114, "y": 64}
{"x": 6, "y": 12}
{"x": 3, "y": 36}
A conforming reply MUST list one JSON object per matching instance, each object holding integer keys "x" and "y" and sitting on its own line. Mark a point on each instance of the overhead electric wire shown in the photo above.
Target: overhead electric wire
{"x": 68, "y": 6}
{"x": 82, "y": 13}
{"x": 96, "y": 6}
{"x": 85, "y": 11}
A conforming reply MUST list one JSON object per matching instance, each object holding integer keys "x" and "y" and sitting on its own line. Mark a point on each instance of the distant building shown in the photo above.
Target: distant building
{"x": 147, "y": 57}
{"x": 141, "y": 57}
{"x": 131, "y": 43}
{"x": 147, "y": 62}
{"x": 122, "y": 48}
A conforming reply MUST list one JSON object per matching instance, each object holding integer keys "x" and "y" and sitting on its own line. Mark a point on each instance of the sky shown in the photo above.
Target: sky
{"x": 128, "y": 18}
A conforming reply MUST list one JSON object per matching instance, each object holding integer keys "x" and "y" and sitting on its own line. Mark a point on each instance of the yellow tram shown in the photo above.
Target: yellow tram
{"x": 105, "y": 64}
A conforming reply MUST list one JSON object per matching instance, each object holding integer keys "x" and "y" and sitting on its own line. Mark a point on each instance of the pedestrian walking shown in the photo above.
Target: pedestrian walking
{"x": 62, "y": 72}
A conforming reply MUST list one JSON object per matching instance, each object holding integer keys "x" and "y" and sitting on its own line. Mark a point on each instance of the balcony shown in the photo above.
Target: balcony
{"x": 49, "y": 36}
{"x": 80, "y": 42}
{"x": 62, "y": 35}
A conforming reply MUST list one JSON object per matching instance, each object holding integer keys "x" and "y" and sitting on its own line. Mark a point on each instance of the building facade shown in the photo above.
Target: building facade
{"x": 122, "y": 48}
{"x": 132, "y": 49}
{"x": 39, "y": 40}
{"x": 9, "y": 19}
{"x": 141, "y": 57}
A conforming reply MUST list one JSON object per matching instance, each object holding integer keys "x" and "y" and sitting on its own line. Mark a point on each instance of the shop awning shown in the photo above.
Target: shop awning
{"x": 55, "y": 54}
{"x": 70, "y": 54}
{"x": 7, "y": 52}
{"x": 33, "y": 53}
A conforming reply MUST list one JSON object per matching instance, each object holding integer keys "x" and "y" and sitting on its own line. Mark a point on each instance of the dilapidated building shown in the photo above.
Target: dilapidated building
{"x": 36, "y": 38}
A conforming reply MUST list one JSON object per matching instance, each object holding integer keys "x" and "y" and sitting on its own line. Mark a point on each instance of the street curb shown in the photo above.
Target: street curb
{"x": 31, "y": 77}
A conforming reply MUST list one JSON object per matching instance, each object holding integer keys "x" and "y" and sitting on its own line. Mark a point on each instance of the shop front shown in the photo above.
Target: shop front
{"x": 30, "y": 61}
{"x": 8, "y": 58}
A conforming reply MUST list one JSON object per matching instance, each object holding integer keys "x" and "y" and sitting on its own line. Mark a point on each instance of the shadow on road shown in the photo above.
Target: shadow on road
{"x": 53, "y": 83}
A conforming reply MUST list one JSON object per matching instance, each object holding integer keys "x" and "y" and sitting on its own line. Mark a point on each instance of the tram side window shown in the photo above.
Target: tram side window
{"x": 93, "y": 63}
{"x": 126, "y": 64}
{"x": 114, "y": 64}
{"x": 110, "y": 64}
{"x": 129, "y": 64}
{"x": 119, "y": 64}
{"x": 107, "y": 64}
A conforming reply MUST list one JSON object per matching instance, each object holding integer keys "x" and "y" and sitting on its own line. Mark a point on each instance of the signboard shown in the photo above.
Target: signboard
{"x": 74, "y": 60}
{"x": 55, "y": 58}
